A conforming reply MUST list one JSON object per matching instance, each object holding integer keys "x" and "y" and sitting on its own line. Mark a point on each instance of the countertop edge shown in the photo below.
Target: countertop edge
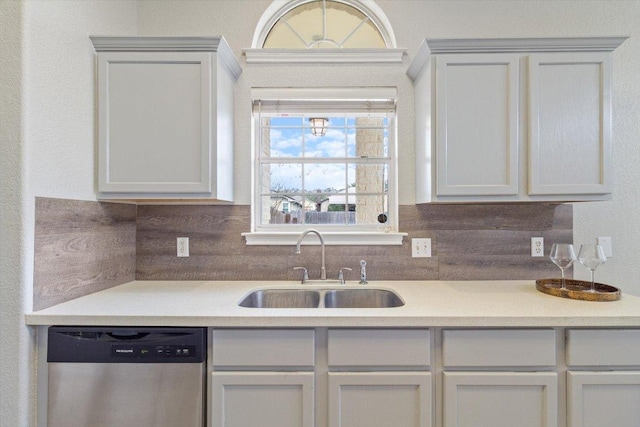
{"x": 335, "y": 322}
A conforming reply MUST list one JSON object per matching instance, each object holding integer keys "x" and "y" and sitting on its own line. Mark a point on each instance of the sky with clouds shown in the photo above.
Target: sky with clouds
{"x": 292, "y": 137}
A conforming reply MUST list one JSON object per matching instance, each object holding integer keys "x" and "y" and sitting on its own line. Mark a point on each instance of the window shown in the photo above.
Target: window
{"x": 325, "y": 159}
{"x": 324, "y": 31}
{"x": 324, "y": 24}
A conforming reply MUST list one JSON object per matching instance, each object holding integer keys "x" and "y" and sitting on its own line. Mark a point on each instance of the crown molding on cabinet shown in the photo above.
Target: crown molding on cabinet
{"x": 169, "y": 44}
{"x": 559, "y": 44}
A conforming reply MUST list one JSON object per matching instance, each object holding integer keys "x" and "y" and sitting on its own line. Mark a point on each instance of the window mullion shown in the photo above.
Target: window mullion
{"x": 346, "y": 171}
{"x": 303, "y": 151}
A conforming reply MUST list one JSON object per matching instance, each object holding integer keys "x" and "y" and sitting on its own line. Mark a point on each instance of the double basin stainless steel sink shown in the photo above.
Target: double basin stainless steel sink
{"x": 319, "y": 298}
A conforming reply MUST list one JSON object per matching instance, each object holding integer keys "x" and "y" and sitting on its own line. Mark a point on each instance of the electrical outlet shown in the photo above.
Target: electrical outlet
{"x": 183, "y": 246}
{"x": 421, "y": 248}
{"x": 605, "y": 242}
{"x": 537, "y": 246}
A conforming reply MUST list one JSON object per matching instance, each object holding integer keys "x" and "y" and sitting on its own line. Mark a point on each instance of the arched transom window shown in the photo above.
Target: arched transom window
{"x": 317, "y": 24}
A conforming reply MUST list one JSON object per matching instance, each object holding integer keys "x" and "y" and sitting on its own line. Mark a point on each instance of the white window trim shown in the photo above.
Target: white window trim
{"x": 324, "y": 56}
{"x": 351, "y": 236}
{"x": 278, "y": 8}
{"x": 343, "y": 238}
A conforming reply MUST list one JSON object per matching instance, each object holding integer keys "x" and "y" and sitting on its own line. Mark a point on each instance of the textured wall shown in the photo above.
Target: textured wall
{"x": 16, "y": 347}
{"x": 469, "y": 241}
{"x": 47, "y": 149}
{"x": 81, "y": 247}
{"x": 414, "y": 20}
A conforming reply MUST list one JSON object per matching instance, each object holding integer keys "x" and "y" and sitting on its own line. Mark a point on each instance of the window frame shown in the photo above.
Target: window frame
{"x": 279, "y": 8}
{"x": 362, "y": 56}
{"x": 285, "y": 234}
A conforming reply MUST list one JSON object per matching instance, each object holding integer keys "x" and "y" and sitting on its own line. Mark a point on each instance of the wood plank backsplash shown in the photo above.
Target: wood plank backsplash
{"x": 482, "y": 242}
{"x": 81, "y": 247}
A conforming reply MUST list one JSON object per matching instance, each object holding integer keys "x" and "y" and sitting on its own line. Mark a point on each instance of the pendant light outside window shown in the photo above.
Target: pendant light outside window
{"x": 318, "y": 125}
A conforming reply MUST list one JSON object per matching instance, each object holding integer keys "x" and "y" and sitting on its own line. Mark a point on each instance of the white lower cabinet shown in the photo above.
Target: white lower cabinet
{"x": 380, "y": 399}
{"x": 379, "y": 378}
{"x": 262, "y": 378}
{"x": 603, "y": 381}
{"x": 429, "y": 377}
{"x": 597, "y": 399}
{"x": 262, "y": 399}
{"x": 322, "y": 377}
{"x": 500, "y": 378}
{"x": 500, "y": 399}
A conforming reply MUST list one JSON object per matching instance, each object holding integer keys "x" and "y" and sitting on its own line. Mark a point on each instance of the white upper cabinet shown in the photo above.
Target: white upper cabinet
{"x": 165, "y": 117}
{"x": 570, "y": 123}
{"x": 477, "y": 124}
{"x": 513, "y": 119}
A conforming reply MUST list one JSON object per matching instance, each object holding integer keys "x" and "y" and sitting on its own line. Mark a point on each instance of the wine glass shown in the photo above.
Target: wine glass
{"x": 591, "y": 256}
{"x": 563, "y": 255}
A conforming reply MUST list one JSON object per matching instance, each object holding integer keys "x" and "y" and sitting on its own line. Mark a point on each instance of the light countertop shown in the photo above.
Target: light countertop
{"x": 506, "y": 303}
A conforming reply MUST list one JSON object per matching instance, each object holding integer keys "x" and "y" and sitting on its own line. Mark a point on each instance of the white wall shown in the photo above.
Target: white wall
{"x": 414, "y": 20}
{"x": 48, "y": 138}
{"x": 15, "y": 343}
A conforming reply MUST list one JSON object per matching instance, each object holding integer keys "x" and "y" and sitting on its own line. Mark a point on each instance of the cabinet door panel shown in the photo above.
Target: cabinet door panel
{"x": 599, "y": 399}
{"x": 500, "y": 399}
{"x": 477, "y": 124}
{"x": 380, "y": 399}
{"x": 273, "y": 399}
{"x": 154, "y": 126}
{"x": 570, "y": 123}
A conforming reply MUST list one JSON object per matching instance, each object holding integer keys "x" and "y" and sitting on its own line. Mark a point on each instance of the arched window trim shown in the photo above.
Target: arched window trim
{"x": 279, "y": 8}
{"x": 389, "y": 55}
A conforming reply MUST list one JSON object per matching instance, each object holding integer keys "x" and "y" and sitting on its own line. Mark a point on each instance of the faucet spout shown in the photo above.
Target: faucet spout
{"x": 323, "y": 270}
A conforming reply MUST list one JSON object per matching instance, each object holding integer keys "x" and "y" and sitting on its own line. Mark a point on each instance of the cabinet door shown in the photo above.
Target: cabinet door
{"x": 380, "y": 399}
{"x": 599, "y": 399}
{"x": 262, "y": 399}
{"x": 154, "y": 122}
{"x": 500, "y": 399}
{"x": 477, "y": 124}
{"x": 569, "y": 123}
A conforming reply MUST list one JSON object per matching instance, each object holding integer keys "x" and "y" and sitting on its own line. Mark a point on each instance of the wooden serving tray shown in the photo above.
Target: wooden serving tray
{"x": 578, "y": 289}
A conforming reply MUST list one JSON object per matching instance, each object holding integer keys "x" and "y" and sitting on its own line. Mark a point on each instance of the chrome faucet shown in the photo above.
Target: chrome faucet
{"x": 323, "y": 270}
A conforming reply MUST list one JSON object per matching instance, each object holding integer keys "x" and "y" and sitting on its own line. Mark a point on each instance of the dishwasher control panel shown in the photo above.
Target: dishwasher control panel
{"x": 126, "y": 345}
{"x": 145, "y": 351}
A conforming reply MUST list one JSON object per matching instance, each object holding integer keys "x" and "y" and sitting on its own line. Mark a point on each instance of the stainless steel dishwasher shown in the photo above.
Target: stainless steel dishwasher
{"x": 115, "y": 376}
